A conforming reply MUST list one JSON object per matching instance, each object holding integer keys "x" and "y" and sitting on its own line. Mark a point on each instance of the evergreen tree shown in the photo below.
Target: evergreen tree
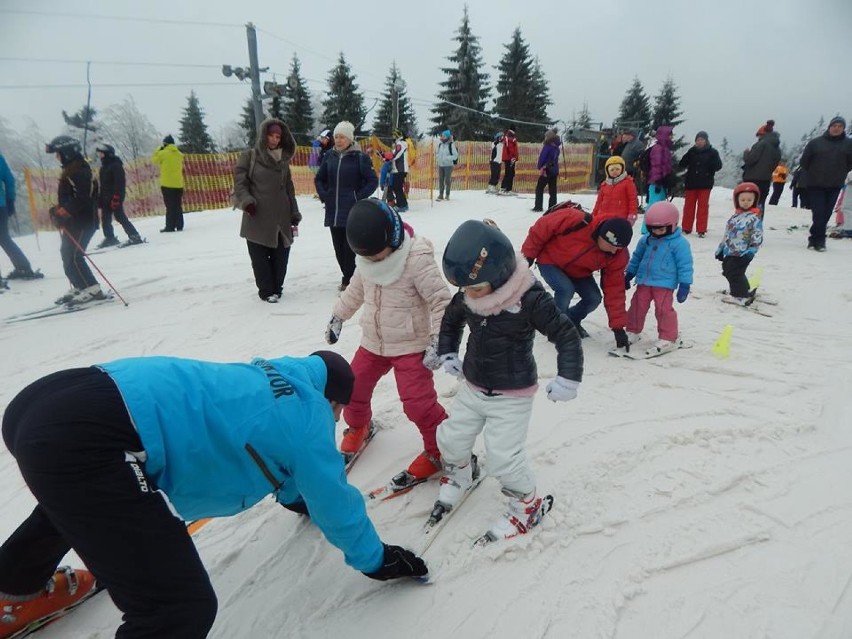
{"x": 297, "y": 110}
{"x": 667, "y": 111}
{"x": 520, "y": 95}
{"x": 461, "y": 101}
{"x": 795, "y": 153}
{"x": 193, "y": 131}
{"x": 395, "y": 102}
{"x": 248, "y": 123}
{"x": 584, "y": 119}
{"x": 635, "y": 110}
{"x": 84, "y": 120}
{"x": 343, "y": 101}
{"x": 729, "y": 175}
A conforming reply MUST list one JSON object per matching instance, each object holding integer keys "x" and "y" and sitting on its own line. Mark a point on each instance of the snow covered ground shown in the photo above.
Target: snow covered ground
{"x": 696, "y": 497}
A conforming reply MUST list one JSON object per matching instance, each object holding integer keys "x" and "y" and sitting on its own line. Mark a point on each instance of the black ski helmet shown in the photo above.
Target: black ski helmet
{"x": 476, "y": 253}
{"x": 372, "y": 226}
{"x": 106, "y": 149}
{"x": 67, "y": 147}
{"x": 615, "y": 230}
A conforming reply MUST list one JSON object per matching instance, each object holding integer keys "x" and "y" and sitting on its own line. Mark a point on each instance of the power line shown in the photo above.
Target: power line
{"x": 52, "y": 14}
{"x": 117, "y": 84}
{"x": 114, "y": 63}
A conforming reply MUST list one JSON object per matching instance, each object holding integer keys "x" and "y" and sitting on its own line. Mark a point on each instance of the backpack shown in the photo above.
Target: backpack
{"x": 587, "y": 217}
{"x": 644, "y": 161}
{"x": 455, "y": 160}
{"x": 235, "y": 203}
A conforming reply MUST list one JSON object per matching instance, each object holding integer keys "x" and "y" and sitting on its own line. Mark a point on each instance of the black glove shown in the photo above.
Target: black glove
{"x": 719, "y": 255}
{"x": 627, "y": 277}
{"x": 621, "y": 340}
{"x": 530, "y": 261}
{"x": 298, "y": 507}
{"x": 399, "y": 562}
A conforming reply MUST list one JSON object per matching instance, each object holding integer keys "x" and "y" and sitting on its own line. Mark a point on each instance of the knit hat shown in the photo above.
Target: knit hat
{"x": 616, "y": 230}
{"x": 837, "y": 120}
{"x": 769, "y": 127}
{"x": 325, "y": 133}
{"x": 702, "y": 134}
{"x": 339, "y": 378}
{"x": 274, "y": 128}
{"x": 168, "y": 139}
{"x": 346, "y": 129}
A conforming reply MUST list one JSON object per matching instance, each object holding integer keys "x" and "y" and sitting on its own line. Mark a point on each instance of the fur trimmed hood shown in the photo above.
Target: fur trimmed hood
{"x": 508, "y": 296}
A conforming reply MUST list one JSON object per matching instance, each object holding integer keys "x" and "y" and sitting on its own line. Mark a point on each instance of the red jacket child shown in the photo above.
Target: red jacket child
{"x": 617, "y": 195}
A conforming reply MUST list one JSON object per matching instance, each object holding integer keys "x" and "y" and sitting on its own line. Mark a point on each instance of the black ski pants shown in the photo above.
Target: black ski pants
{"x": 343, "y": 252}
{"x": 173, "y": 199}
{"x": 822, "y": 203}
{"x": 777, "y": 190}
{"x": 734, "y": 269}
{"x": 398, "y": 189}
{"x": 72, "y": 438}
{"x": 107, "y": 213}
{"x": 269, "y": 266}
{"x": 495, "y": 173}
{"x": 550, "y": 182}
{"x": 508, "y": 176}
{"x": 73, "y": 260}
{"x": 763, "y": 185}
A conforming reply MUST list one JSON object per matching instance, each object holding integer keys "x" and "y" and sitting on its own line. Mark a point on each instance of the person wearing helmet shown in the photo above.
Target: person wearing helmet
{"x": 496, "y": 162}
{"x": 743, "y": 237}
{"x": 661, "y": 263}
{"x": 398, "y": 283}
{"x": 75, "y": 215}
{"x": 119, "y": 456}
{"x": 446, "y": 157}
{"x": 617, "y": 193}
{"x": 510, "y": 158}
{"x": 503, "y": 305}
{"x": 111, "y": 202}
{"x": 569, "y": 246}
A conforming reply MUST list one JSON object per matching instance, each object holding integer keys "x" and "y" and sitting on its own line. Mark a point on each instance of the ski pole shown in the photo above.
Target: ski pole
{"x": 100, "y": 272}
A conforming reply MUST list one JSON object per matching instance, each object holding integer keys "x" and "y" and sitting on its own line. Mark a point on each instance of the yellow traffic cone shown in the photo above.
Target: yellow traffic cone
{"x": 754, "y": 280}
{"x": 722, "y": 347}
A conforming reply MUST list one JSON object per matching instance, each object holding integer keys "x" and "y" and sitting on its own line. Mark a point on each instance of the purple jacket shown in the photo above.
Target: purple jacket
{"x": 549, "y": 158}
{"x": 661, "y": 156}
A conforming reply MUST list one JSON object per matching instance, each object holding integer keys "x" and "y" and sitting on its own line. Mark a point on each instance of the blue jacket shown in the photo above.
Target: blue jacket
{"x": 662, "y": 261}
{"x": 344, "y": 177}
{"x": 7, "y": 187}
{"x": 743, "y": 234}
{"x": 220, "y": 437}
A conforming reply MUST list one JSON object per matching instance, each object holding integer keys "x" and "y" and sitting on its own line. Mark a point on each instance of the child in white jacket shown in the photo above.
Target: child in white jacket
{"x": 404, "y": 296}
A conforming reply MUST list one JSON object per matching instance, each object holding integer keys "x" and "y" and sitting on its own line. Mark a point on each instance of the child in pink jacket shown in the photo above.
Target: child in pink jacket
{"x": 404, "y": 296}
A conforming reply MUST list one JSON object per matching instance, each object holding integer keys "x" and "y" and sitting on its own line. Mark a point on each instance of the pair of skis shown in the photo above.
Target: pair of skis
{"x": 60, "y": 309}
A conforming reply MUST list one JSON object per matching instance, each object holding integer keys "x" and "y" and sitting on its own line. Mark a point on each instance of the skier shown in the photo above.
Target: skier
{"x": 548, "y": 170}
{"x": 661, "y": 263}
{"x": 76, "y": 217}
{"x": 20, "y": 264}
{"x": 779, "y": 178}
{"x": 510, "y": 158}
{"x": 496, "y": 162}
{"x": 118, "y": 454}
{"x": 112, "y": 193}
{"x": 446, "y": 157}
{"x": 398, "y": 282}
{"x": 399, "y": 170}
{"x": 569, "y": 246}
{"x": 617, "y": 193}
{"x": 503, "y": 306}
{"x": 743, "y": 237}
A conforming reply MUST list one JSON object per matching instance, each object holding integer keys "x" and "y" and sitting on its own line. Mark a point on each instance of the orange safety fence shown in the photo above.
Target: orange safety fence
{"x": 209, "y": 178}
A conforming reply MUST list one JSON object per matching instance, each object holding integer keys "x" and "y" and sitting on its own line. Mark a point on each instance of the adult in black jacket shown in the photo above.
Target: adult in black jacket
{"x": 112, "y": 193}
{"x": 827, "y": 159}
{"x": 76, "y": 217}
{"x": 701, "y": 162}
{"x": 761, "y": 159}
{"x": 345, "y": 176}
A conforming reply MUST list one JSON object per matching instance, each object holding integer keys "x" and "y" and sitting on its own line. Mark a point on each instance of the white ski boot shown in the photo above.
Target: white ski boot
{"x": 523, "y": 513}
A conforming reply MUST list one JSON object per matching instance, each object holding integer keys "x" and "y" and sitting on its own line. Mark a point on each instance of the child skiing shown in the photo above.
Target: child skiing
{"x": 496, "y": 162}
{"x": 661, "y": 263}
{"x": 503, "y": 306}
{"x": 398, "y": 282}
{"x": 743, "y": 236}
{"x": 617, "y": 194}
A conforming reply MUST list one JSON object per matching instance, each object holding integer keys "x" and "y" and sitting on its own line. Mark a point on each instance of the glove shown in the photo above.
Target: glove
{"x": 452, "y": 364}
{"x": 332, "y": 331}
{"x": 560, "y": 389}
{"x": 682, "y": 293}
{"x": 250, "y": 208}
{"x": 530, "y": 261}
{"x": 627, "y": 278}
{"x": 719, "y": 255}
{"x": 512, "y": 161}
{"x": 621, "y": 340}
{"x": 297, "y": 507}
{"x": 431, "y": 359}
{"x": 59, "y": 215}
{"x": 10, "y": 208}
{"x": 399, "y": 562}
{"x": 115, "y": 202}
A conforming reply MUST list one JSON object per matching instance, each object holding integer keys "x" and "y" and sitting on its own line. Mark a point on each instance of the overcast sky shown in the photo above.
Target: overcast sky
{"x": 736, "y": 62}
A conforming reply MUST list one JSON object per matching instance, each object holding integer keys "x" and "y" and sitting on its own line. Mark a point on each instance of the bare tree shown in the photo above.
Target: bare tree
{"x": 230, "y": 137}
{"x": 128, "y": 130}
